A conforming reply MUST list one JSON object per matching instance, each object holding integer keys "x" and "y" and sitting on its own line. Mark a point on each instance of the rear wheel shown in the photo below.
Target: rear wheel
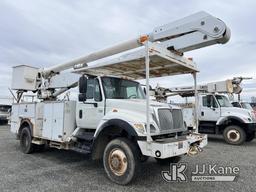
{"x": 234, "y": 135}
{"x": 26, "y": 141}
{"x": 167, "y": 161}
{"x": 121, "y": 161}
{"x": 250, "y": 136}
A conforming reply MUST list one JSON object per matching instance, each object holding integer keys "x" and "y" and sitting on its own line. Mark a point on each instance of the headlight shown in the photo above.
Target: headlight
{"x": 253, "y": 115}
{"x": 139, "y": 127}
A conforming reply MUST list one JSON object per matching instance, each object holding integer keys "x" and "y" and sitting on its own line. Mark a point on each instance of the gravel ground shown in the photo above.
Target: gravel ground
{"x": 58, "y": 170}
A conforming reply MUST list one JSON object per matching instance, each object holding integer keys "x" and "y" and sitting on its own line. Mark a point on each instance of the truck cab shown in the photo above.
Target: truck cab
{"x": 109, "y": 98}
{"x": 218, "y": 116}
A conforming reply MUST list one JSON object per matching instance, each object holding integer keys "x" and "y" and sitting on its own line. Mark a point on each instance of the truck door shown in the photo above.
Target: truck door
{"x": 209, "y": 113}
{"x": 91, "y": 111}
{"x": 209, "y": 109}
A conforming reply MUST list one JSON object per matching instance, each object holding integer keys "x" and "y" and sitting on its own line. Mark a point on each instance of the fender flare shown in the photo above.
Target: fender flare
{"x": 118, "y": 123}
{"x": 224, "y": 119}
{"x": 26, "y": 120}
{"x": 100, "y": 141}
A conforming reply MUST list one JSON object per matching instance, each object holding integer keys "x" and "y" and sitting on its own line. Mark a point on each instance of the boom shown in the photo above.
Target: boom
{"x": 229, "y": 86}
{"x": 193, "y": 32}
{"x": 190, "y": 33}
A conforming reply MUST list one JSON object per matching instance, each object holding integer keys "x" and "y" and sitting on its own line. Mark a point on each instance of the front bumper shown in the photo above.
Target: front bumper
{"x": 170, "y": 147}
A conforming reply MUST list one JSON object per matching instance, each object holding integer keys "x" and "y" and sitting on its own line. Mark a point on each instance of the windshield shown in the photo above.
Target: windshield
{"x": 223, "y": 101}
{"x": 116, "y": 88}
{"x": 246, "y": 106}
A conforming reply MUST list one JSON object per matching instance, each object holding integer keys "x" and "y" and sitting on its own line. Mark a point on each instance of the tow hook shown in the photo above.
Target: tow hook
{"x": 194, "y": 150}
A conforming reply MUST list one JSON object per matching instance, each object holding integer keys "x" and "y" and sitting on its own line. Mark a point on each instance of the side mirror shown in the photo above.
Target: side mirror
{"x": 82, "y": 97}
{"x": 208, "y": 99}
{"x": 82, "y": 84}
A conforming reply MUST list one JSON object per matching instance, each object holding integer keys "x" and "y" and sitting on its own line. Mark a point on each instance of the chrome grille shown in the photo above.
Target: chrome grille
{"x": 178, "y": 118}
{"x": 170, "y": 120}
{"x": 165, "y": 119}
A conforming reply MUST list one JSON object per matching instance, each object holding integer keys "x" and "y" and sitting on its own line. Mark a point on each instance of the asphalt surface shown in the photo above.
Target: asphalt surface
{"x": 59, "y": 170}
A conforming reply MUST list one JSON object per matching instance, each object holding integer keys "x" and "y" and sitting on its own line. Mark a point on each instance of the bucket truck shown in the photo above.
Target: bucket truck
{"x": 216, "y": 114}
{"x": 113, "y": 119}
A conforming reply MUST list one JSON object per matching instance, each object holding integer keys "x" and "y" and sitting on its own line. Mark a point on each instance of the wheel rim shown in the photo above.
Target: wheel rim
{"x": 117, "y": 161}
{"x": 233, "y": 135}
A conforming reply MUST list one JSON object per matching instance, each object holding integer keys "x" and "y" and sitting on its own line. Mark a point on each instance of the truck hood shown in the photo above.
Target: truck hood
{"x": 238, "y": 112}
{"x": 138, "y": 105}
{"x": 134, "y": 112}
{"x": 234, "y": 110}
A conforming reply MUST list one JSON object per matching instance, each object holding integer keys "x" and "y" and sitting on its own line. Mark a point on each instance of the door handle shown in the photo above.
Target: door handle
{"x": 92, "y": 103}
{"x": 80, "y": 114}
{"x": 202, "y": 113}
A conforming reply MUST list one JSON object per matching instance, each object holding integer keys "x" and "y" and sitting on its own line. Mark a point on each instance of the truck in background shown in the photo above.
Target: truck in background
{"x": 5, "y": 111}
{"x": 5, "y": 108}
{"x": 215, "y": 113}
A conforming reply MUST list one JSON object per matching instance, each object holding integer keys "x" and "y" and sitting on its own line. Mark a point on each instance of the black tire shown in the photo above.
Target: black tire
{"x": 167, "y": 161}
{"x": 26, "y": 141}
{"x": 121, "y": 161}
{"x": 250, "y": 136}
{"x": 234, "y": 135}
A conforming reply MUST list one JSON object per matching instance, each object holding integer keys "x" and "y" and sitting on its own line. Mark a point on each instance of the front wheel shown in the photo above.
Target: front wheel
{"x": 234, "y": 135}
{"x": 121, "y": 161}
{"x": 26, "y": 141}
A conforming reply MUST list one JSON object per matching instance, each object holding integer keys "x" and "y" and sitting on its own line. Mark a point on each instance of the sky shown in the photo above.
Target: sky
{"x": 43, "y": 33}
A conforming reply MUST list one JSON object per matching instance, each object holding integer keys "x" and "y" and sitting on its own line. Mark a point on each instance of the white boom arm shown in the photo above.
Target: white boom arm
{"x": 193, "y": 32}
{"x": 229, "y": 86}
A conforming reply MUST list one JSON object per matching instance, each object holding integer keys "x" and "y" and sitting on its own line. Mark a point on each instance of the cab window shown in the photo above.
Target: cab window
{"x": 90, "y": 89}
{"x": 93, "y": 89}
{"x": 209, "y": 101}
{"x": 97, "y": 93}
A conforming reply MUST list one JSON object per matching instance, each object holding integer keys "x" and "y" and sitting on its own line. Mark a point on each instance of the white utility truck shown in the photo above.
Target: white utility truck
{"x": 216, "y": 115}
{"x": 5, "y": 108}
{"x": 113, "y": 119}
{"x": 242, "y": 104}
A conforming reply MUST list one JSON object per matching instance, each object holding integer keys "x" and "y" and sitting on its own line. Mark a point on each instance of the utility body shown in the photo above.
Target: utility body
{"x": 113, "y": 119}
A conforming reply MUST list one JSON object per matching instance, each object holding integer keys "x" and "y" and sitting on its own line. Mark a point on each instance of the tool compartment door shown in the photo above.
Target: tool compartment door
{"x": 57, "y": 121}
{"x": 47, "y": 122}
